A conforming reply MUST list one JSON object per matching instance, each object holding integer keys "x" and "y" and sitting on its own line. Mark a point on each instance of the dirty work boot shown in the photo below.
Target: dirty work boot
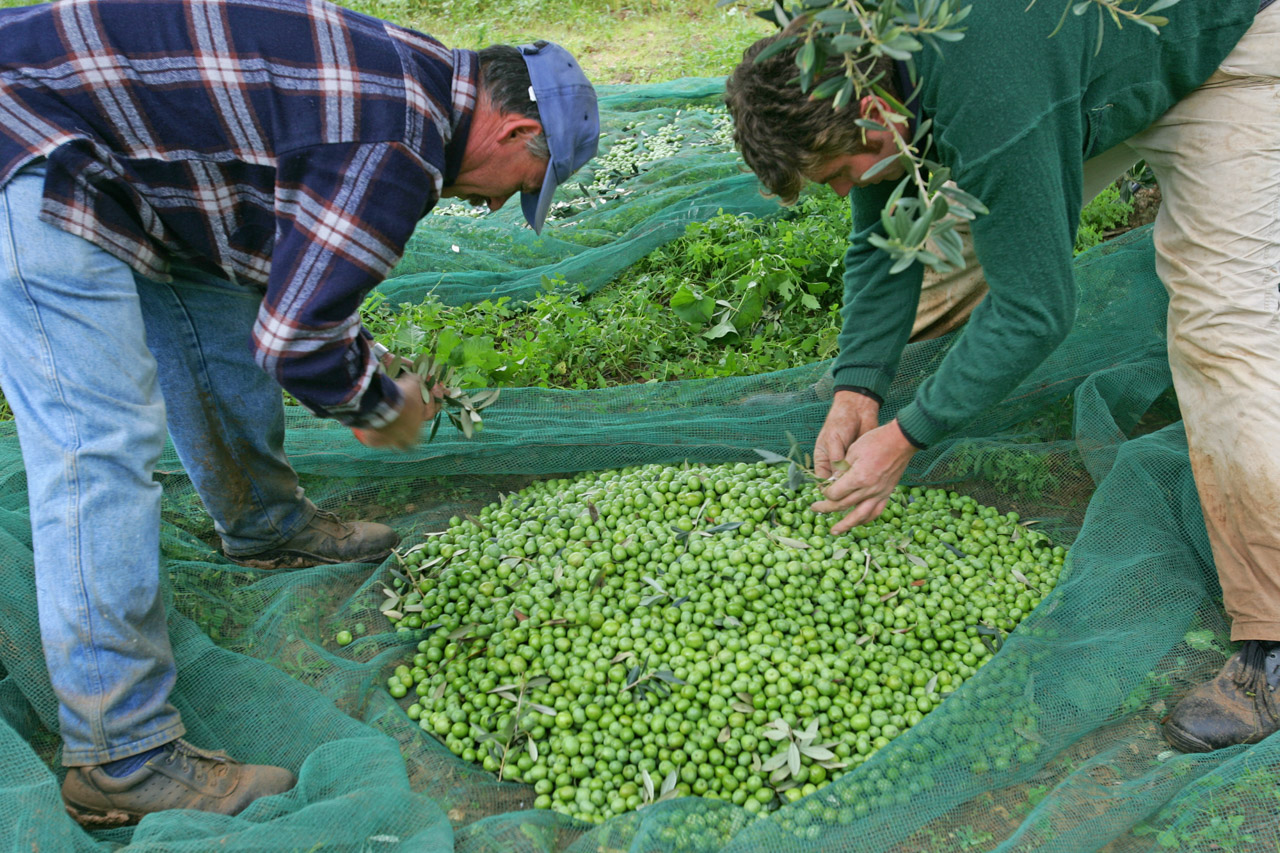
{"x": 327, "y": 540}
{"x": 179, "y": 777}
{"x": 1239, "y": 706}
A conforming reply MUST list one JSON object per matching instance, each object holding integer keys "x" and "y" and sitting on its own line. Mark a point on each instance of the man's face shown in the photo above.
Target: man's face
{"x": 505, "y": 171}
{"x": 845, "y": 171}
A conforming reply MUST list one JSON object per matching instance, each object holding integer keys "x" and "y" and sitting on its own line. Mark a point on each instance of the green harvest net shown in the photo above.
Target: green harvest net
{"x": 1089, "y": 446}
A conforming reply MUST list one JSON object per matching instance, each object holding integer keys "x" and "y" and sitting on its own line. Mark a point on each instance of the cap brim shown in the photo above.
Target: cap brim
{"x": 536, "y": 205}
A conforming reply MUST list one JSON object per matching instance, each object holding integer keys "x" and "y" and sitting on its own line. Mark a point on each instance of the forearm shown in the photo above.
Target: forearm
{"x": 309, "y": 335}
{"x": 1022, "y": 320}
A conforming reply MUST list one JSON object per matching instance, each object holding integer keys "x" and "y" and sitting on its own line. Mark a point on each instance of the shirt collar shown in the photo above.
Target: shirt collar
{"x": 902, "y": 80}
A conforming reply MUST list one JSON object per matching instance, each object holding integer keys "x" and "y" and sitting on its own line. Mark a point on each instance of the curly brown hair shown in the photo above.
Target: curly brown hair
{"x": 782, "y": 133}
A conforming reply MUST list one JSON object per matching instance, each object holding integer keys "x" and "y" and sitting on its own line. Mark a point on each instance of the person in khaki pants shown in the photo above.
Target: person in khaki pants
{"x": 1033, "y": 126}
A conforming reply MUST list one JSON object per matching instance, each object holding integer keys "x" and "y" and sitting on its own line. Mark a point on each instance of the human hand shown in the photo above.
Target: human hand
{"x": 876, "y": 462}
{"x": 851, "y": 416}
{"x": 385, "y": 356}
{"x": 403, "y": 432}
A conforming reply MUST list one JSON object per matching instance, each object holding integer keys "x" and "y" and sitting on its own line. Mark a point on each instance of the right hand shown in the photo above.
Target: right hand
{"x": 851, "y": 416}
{"x": 403, "y": 432}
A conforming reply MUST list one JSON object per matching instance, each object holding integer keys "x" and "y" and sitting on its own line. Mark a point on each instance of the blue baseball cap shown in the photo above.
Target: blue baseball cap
{"x": 570, "y": 120}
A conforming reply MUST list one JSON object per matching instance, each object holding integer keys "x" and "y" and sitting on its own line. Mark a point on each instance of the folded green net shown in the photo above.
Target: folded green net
{"x": 1089, "y": 447}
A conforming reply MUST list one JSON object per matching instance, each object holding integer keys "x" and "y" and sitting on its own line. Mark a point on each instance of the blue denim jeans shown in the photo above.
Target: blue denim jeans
{"x": 92, "y": 357}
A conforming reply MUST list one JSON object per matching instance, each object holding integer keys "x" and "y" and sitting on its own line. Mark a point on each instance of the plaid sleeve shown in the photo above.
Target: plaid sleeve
{"x": 343, "y": 215}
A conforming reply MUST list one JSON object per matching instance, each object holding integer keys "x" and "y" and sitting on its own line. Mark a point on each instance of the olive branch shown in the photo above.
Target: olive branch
{"x": 462, "y": 408}
{"x": 852, "y": 36}
{"x": 1116, "y": 10}
{"x": 800, "y": 465}
{"x": 641, "y": 681}
{"x": 508, "y": 736}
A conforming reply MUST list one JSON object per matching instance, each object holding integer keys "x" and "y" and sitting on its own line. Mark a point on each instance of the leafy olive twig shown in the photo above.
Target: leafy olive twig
{"x": 800, "y": 744}
{"x": 511, "y": 733}
{"x": 463, "y": 408}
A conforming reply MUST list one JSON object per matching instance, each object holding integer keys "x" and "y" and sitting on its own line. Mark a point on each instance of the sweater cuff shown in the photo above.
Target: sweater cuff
{"x": 910, "y": 438}
{"x": 858, "y": 389}
{"x": 920, "y": 429}
{"x": 872, "y": 379}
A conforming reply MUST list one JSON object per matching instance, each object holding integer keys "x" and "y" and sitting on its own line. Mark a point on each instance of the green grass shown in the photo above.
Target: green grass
{"x": 629, "y": 42}
{"x": 639, "y": 41}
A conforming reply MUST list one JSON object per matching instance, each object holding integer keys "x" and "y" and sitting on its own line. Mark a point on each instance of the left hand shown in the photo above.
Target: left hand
{"x": 876, "y": 462}
{"x": 403, "y": 432}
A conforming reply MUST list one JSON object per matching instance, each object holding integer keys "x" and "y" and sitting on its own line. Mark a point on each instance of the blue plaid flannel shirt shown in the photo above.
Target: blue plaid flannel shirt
{"x": 290, "y": 145}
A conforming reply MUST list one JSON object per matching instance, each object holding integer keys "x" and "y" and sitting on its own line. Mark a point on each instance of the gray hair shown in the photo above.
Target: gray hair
{"x": 505, "y": 78}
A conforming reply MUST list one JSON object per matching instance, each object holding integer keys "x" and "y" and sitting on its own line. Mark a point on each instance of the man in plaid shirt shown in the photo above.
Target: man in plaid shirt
{"x": 195, "y": 198}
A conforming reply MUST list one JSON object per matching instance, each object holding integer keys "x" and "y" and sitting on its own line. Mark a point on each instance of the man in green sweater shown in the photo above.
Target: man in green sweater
{"x": 1034, "y": 126}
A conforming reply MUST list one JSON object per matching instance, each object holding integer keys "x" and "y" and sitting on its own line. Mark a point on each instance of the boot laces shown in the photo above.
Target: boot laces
{"x": 325, "y": 515}
{"x": 196, "y": 762}
{"x": 1260, "y": 670}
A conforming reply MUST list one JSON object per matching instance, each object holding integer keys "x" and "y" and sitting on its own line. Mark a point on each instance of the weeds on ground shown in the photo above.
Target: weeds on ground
{"x": 1100, "y": 218}
{"x": 1229, "y": 816}
{"x": 734, "y": 296}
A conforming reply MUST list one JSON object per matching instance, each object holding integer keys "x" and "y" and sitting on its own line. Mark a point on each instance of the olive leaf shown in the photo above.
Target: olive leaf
{"x": 769, "y": 456}
{"x": 1022, "y": 579}
{"x": 797, "y": 477}
{"x": 668, "y": 785}
{"x": 653, "y": 599}
{"x": 666, "y": 792}
{"x": 1031, "y": 735}
{"x": 777, "y": 730}
{"x": 785, "y": 764}
{"x": 724, "y": 527}
{"x": 986, "y": 633}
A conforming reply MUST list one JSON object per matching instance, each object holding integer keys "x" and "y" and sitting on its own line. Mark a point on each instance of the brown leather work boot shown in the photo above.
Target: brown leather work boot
{"x": 326, "y": 540}
{"x": 181, "y": 777}
{"x": 1239, "y": 706}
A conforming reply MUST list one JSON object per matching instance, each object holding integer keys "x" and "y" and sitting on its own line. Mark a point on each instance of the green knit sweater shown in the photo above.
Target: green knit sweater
{"x": 1015, "y": 116}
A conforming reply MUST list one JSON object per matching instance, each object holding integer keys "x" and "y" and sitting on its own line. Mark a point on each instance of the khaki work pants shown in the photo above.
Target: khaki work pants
{"x": 1216, "y": 156}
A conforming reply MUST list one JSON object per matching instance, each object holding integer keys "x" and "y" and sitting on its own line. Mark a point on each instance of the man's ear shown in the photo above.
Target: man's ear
{"x": 873, "y": 108}
{"x": 518, "y": 128}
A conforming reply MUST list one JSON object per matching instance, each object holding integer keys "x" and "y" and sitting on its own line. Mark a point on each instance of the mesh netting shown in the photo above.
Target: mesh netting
{"x": 666, "y": 159}
{"x": 1054, "y": 745}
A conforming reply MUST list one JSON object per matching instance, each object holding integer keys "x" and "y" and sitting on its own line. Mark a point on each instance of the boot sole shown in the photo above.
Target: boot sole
{"x": 101, "y": 819}
{"x": 298, "y": 560}
{"x": 1184, "y": 742}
